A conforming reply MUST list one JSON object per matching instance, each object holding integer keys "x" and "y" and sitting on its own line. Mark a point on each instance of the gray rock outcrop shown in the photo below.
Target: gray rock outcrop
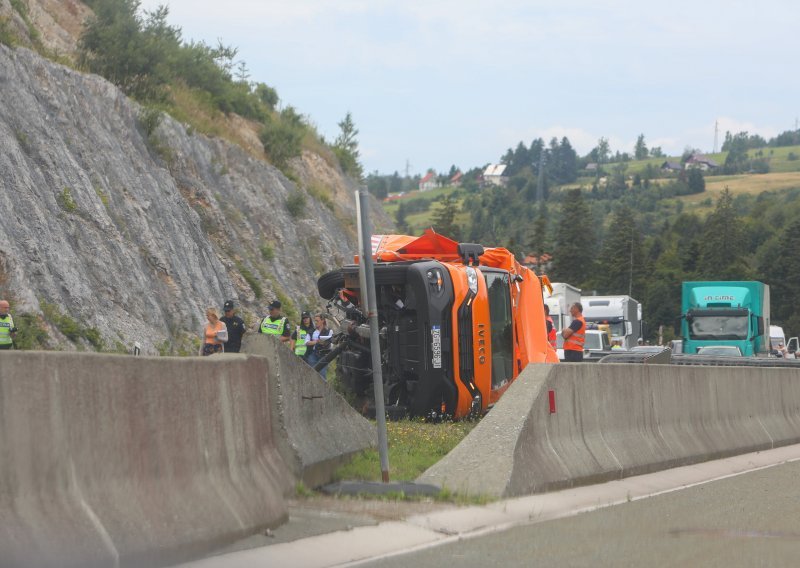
{"x": 133, "y": 232}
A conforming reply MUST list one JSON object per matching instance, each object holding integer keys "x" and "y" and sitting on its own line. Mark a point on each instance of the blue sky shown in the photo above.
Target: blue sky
{"x": 459, "y": 81}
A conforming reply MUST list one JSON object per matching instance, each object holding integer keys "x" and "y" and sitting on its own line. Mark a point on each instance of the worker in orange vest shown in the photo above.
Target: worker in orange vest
{"x": 551, "y": 327}
{"x": 574, "y": 335}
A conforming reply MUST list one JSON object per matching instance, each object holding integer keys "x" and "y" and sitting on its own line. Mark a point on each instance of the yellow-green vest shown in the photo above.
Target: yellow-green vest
{"x": 273, "y": 327}
{"x": 6, "y": 324}
{"x": 300, "y": 343}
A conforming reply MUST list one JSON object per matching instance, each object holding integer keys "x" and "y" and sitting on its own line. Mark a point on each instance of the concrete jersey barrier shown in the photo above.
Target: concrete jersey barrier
{"x": 316, "y": 429}
{"x": 120, "y": 461}
{"x": 605, "y": 422}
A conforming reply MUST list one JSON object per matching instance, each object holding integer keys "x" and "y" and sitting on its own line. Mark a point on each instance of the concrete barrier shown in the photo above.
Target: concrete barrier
{"x": 563, "y": 425}
{"x": 119, "y": 461}
{"x": 316, "y": 429}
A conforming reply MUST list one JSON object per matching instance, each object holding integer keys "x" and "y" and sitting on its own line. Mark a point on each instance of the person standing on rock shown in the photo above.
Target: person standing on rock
{"x": 7, "y": 329}
{"x": 235, "y": 325}
{"x": 302, "y": 335}
{"x": 276, "y": 324}
{"x": 215, "y": 334}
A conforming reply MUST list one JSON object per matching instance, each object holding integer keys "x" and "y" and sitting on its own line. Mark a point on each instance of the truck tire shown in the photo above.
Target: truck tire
{"x": 329, "y": 282}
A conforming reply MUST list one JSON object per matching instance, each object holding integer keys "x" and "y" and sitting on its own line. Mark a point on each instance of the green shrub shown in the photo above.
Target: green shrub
{"x": 281, "y": 140}
{"x": 321, "y": 194}
{"x": 251, "y": 280}
{"x": 70, "y": 328}
{"x": 267, "y": 252}
{"x": 66, "y": 201}
{"x": 30, "y": 332}
{"x": 296, "y": 205}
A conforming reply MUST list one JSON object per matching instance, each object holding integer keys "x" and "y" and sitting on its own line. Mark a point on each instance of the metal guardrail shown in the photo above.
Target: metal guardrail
{"x": 646, "y": 357}
{"x": 666, "y": 357}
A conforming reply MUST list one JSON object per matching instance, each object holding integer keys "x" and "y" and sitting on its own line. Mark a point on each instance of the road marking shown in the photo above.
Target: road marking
{"x": 420, "y": 532}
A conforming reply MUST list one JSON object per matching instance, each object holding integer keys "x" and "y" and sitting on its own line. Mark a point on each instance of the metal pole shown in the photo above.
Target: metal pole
{"x": 375, "y": 347}
{"x": 362, "y": 279}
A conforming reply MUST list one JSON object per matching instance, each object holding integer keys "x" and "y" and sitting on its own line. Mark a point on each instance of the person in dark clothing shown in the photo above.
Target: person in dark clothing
{"x": 236, "y": 328}
{"x": 320, "y": 343}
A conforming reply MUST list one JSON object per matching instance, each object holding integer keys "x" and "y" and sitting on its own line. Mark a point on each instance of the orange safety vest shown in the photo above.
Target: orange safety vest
{"x": 575, "y": 341}
{"x": 551, "y": 336}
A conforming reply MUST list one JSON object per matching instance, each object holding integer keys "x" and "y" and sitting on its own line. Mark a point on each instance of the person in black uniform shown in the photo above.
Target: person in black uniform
{"x": 236, "y": 328}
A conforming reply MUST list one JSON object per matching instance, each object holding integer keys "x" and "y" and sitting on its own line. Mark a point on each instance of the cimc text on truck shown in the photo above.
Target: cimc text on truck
{"x": 725, "y": 313}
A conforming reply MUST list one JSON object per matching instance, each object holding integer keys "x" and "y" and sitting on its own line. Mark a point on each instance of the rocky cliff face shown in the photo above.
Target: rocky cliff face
{"x": 132, "y": 224}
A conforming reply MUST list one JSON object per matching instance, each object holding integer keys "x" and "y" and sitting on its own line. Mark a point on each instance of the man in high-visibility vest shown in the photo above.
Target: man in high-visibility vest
{"x": 7, "y": 329}
{"x": 574, "y": 335}
{"x": 276, "y": 324}
{"x": 551, "y": 327}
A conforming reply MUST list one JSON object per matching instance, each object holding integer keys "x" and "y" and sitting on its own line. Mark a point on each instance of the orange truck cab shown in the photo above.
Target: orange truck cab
{"x": 458, "y": 323}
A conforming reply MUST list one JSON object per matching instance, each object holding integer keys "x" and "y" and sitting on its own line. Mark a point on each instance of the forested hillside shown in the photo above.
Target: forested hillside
{"x": 614, "y": 224}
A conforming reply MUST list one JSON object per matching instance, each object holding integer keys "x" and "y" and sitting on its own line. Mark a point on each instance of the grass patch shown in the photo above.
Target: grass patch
{"x": 267, "y": 252}
{"x": 66, "y": 201}
{"x": 321, "y": 194}
{"x": 251, "y": 280}
{"x": 71, "y": 328}
{"x": 31, "y": 333}
{"x": 414, "y": 446}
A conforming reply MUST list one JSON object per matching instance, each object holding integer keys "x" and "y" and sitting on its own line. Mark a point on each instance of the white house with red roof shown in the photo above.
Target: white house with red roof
{"x": 429, "y": 181}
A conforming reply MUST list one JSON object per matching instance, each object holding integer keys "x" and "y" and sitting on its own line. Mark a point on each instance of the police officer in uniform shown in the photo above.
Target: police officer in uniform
{"x": 7, "y": 329}
{"x": 235, "y": 326}
{"x": 275, "y": 323}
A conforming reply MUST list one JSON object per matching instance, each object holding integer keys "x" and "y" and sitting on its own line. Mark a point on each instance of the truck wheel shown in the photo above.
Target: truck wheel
{"x": 329, "y": 282}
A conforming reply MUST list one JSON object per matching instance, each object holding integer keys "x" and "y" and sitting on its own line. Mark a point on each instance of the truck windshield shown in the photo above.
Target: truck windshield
{"x": 497, "y": 285}
{"x": 719, "y": 327}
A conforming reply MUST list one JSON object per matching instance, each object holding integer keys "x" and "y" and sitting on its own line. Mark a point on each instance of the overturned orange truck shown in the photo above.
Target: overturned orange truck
{"x": 458, "y": 323}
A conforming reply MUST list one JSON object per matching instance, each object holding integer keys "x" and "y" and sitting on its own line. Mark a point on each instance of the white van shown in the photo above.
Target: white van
{"x": 776, "y": 337}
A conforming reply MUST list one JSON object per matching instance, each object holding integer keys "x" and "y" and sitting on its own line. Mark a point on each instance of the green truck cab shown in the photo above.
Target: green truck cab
{"x": 725, "y": 313}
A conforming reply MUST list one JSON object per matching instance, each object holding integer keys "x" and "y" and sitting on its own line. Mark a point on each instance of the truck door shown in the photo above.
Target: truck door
{"x": 499, "y": 292}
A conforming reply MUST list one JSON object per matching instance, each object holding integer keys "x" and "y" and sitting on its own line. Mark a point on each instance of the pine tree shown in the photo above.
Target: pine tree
{"x": 573, "y": 254}
{"x": 444, "y": 218}
{"x": 622, "y": 257}
{"x": 722, "y": 245}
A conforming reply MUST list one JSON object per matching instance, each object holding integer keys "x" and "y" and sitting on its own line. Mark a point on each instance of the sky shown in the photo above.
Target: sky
{"x": 436, "y": 83}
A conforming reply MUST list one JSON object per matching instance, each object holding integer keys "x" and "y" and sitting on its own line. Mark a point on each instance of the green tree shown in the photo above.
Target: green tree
{"x": 782, "y": 269}
{"x": 573, "y": 254}
{"x": 640, "y": 150}
{"x": 444, "y": 218}
{"x": 346, "y": 147}
{"x": 622, "y": 257}
{"x": 603, "y": 151}
{"x": 130, "y": 51}
{"x": 696, "y": 181}
{"x": 722, "y": 248}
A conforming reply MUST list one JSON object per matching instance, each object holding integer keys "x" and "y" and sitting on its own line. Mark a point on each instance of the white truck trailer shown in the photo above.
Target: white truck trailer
{"x": 621, "y": 313}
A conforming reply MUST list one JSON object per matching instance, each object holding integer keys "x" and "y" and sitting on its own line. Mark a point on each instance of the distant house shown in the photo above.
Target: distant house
{"x": 700, "y": 161}
{"x": 540, "y": 264}
{"x": 428, "y": 182}
{"x": 592, "y": 167}
{"x": 455, "y": 181}
{"x": 671, "y": 167}
{"x": 493, "y": 175}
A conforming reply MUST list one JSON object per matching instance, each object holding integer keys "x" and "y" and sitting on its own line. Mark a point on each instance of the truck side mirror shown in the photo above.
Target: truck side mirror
{"x": 628, "y": 328}
{"x": 760, "y": 325}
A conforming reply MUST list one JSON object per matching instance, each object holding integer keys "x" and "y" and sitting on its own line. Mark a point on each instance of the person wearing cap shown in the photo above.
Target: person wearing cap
{"x": 275, "y": 323}
{"x": 235, "y": 325}
{"x": 7, "y": 329}
{"x": 302, "y": 336}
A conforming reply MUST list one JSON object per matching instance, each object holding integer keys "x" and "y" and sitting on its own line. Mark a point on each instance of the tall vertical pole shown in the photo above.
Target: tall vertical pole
{"x": 375, "y": 348}
{"x": 362, "y": 271}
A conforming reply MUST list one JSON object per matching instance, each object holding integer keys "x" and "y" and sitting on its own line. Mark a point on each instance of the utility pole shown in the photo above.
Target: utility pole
{"x": 716, "y": 136}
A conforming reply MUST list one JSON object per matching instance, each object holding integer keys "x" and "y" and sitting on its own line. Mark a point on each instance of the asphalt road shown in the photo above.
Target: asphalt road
{"x": 748, "y": 520}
